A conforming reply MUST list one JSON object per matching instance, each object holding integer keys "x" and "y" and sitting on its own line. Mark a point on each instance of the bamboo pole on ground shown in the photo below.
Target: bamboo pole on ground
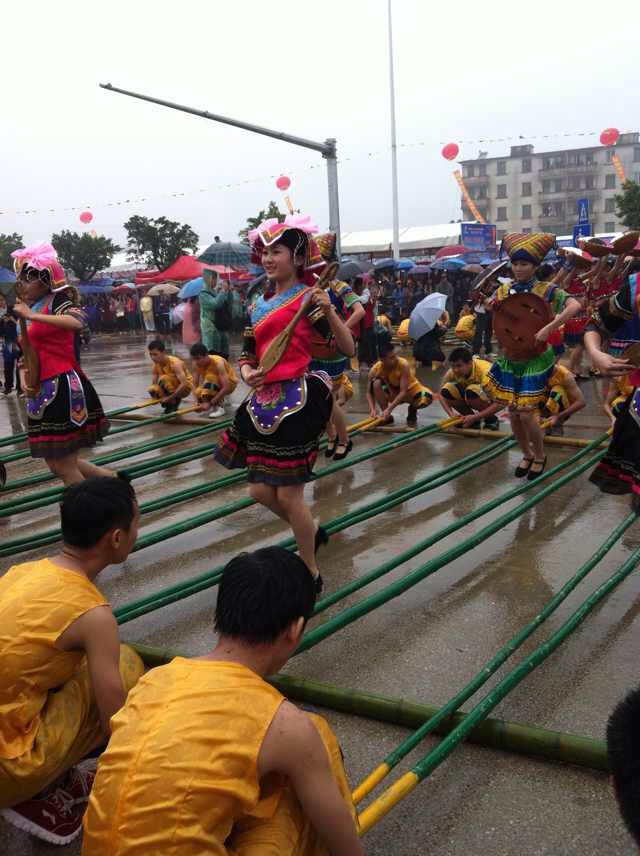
{"x": 493, "y": 733}
{"x": 409, "y": 781}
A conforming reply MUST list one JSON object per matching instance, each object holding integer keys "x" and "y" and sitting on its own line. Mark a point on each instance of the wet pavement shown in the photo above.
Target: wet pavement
{"x": 423, "y": 645}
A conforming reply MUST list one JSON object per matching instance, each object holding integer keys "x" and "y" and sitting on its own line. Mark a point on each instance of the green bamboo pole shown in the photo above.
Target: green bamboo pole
{"x": 50, "y": 536}
{"x": 493, "y": 733}
{"x": 386, "y": 801}
{"x": 491, "y": 666}
{"x": 171, "y": 594}
{"x": 455, "y": 526}
{"x": 398, "y": 587}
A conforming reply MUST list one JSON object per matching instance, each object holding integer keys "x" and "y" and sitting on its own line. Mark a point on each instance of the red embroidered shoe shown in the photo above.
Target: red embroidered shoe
{"x": 53, "y": 816}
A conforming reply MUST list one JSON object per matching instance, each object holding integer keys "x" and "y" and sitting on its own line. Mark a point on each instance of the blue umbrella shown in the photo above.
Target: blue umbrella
{"x": 425, "y": 314}
{"x": 403, "y": 264}
{"x": 191, "y": 288}
{"x": 7, "y": 275}
{"x": 381, "y": 264}
{"x": 450, "y": 264}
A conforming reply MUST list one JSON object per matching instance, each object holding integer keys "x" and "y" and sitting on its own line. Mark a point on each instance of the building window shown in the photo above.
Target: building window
{"x": 502, "y": 214}
{"x": 608, "y": 154}
{"x": 609, "y": 206}
{"x": 526, "y": 212}
{"x": 609, "y": 226}
{"x": 557, "y": 185}
{"x": 553, "y": 209}
{"x": 482, "y": 169}
{"x": 526, "y": 165}
{"x": 481, "y": 191}
{"x": 469, "y": 170}
{"x": 546, "y": 185}
{"x": 502, "y": 191}
{"x": 590, "y": 182}
{"x": 636, "y": 153}
{"x": 526, "y": 188}
{"x": 502, "y": 167}
{"x": 590, "y": 158}
{"x": 573, "y": 182}
{"x": 609, "y": 181}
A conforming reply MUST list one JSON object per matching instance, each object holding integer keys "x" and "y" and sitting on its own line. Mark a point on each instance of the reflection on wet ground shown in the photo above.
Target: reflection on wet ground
{"x": 423, "y": 645}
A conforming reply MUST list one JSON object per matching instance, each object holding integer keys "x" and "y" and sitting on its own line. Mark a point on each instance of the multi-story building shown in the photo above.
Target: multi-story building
{"x": 529, "y": 191}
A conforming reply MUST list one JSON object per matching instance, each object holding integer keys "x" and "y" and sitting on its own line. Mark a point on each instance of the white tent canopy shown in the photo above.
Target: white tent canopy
{"x": 411, "y": 238}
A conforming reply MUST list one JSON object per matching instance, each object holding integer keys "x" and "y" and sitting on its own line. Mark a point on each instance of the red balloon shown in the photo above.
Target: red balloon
{"x": 450, "y": 151}
{"x": 283, "y": 182}
{"x": 86, "y": 217}
{"x": 609, "y": 137}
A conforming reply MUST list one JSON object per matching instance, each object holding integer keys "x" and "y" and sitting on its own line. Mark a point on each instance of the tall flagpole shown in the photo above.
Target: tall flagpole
{"x": 394, "y": 148}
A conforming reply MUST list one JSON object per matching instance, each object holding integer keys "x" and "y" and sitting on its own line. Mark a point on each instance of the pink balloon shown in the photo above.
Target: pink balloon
{"x": 450, "y": 151}
{"x": 86, "y": 217}
{"x": 609, "y": 137}
{"x": 283, "y": 182}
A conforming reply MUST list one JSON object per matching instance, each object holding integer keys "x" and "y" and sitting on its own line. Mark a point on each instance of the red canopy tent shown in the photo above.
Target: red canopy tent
{"x": 184, "y": 268}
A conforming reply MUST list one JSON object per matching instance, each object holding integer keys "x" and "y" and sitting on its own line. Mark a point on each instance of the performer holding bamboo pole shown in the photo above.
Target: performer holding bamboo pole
{"x": 63, "y": 409}
{"x": 275, "y": 432}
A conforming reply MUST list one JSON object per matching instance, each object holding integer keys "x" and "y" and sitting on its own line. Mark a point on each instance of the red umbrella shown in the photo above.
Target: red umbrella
{"x": 456, "y": 250}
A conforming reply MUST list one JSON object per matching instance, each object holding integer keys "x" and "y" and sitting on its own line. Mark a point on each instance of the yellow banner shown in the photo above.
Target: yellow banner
{"x": 471, "y": 205}
{"x": 615, "y": 160}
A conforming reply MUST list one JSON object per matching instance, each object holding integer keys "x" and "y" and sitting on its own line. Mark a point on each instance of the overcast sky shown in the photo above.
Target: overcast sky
{"x": 464, "y": 71}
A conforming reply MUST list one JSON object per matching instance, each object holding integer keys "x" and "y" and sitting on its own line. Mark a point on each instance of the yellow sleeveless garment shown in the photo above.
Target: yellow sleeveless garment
{"x": 392, "y": 377}
{"x": 212, "y": 374}
{"x": 38, "y": 602}
{"x": 180, "y": 767}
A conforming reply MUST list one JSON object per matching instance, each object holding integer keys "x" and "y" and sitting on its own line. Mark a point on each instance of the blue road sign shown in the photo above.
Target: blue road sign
{"x": 583, "y": 211}
{"x": 581, "y": 230}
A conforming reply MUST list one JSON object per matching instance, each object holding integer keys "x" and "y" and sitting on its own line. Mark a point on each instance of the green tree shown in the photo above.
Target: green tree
{"x": 84, "y": 254}
{"x": 9, "y": 243}
{"x": 628, "y": 205}
{"x": 158, "y": 241}
{"x": 253, "y": 222}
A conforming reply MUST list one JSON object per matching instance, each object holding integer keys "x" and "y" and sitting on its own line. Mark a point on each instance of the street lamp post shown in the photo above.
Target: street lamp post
{"x": 327, "y": 148}
{"x": 394, "y": 148}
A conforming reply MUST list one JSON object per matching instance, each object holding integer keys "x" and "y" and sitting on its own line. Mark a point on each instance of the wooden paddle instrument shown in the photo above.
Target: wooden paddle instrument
{"x": 30, "y": 366}
{"x": 516, "y": 320}
{"x": 276, "y": 348}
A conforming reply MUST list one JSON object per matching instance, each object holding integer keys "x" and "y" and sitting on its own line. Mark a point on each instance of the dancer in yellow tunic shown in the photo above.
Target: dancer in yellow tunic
{"x": 170, "y": 379}
{"x": 64, "y": 673}
{"x": 462, "y": 391}
{"x": 563, "y": 400}
{"x": 392, "y": 381}
{"x": 214, "y": 379}
{"x": 207, "y": 757}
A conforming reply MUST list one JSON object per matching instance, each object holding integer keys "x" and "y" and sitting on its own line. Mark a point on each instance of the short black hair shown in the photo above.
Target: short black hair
{"x": 198, "y": 350}
{"x": 91, "y": 508}
{"x": 156, "y": 345}
{"x": 461, "y": 353}
{"x": 261, "y": 593}
{"x": 623, "y": 750}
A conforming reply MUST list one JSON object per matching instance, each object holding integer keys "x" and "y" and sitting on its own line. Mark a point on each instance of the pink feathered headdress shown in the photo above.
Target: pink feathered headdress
{"x": 41, "y": 257}
{"x": 270, "y": 231}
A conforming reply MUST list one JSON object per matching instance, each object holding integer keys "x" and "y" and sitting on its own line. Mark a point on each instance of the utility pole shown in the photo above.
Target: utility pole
{"x": 327, "y": 148}
{"x": 394, "y": 148}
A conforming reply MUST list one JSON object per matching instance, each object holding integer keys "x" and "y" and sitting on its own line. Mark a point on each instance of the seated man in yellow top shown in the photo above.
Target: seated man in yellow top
{"x": 462, "y": 390}
{"x": 392, "y": 381}
{"x": 385, "y": 322}
{"x": 170, "y": 380}
{"x": 206, "y": 757}
{"x": 214, "y": 379}
{"x": 564, "y": 398}
{"x": 403, "y": 330}
{"x": 64, "y": 672}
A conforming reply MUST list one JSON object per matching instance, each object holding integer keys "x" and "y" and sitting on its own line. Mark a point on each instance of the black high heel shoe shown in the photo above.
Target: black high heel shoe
{"x": 534, "y": 474}
{"x": 319, "y": 584}
{"x": 340, "y": 456}
{"x": 330, "y": 451}
{"x": 322, "y": 538}
{"x": 521, "y": 472}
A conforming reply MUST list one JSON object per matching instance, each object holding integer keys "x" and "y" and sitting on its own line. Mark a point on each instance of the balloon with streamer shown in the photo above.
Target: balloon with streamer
{"x": 86, "y": 217}
{"x": 450, "y": 151}
{"x": 609, "y": 137}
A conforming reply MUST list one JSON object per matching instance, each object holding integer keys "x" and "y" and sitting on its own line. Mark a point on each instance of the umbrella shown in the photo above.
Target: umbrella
{"x": 455, "y": 250}
{"x": 226, "y": 253}
{"x": 382, "y": 264}
{"x": 489, "y": 273}
{"x": 352, "y": 268}
{"x": 191, "y": 288}
{"x": 7, "y": 275}
{"x": 473, "y": 268}
{"x": 419, "y": 269}
{"x": 425, "y": 314}
{"x": 448, "y": 264}
{"x": 163, "y": 288}
{"x": 124, "y": 288}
